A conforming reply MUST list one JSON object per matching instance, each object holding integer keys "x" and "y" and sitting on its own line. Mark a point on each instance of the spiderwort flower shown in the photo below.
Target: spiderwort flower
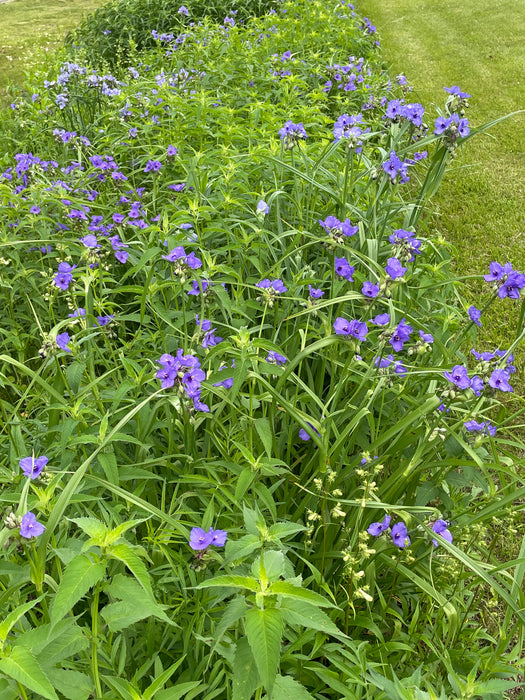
{"x": 401, "y": 335}
{"x": 292, "y": 133}
{"x": 200, "y": 539}
{"x": 62, "y": 340}
{"x": 472, "y": 426}
{"x": 394, "y": 269}
{"x": 63, "y": 278}
{"x": 30, "y": 526}
{"x": 475, "y": 315}
{"x": 400, "y": 535}
{"x": 262, "y": 208}
{"x": 458, "y": 376}
{"x": 377, "y": 529}
{"x": 315, "y": 293}
{"x": 32, "y": 467}
{"x": 275, "y": 358}
{"x": 499, "y": 379}
{"x": 344, "y": 269}
{"x": 370, "y": 290}
{"x": 440, "y": 527}
{"x": 305, "y": 436}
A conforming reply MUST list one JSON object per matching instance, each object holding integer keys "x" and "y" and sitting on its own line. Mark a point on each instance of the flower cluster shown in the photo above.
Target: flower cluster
{"x": 201, "y": 539}
{"x": 185, "y": 373}
{"x": 291, "y": 134}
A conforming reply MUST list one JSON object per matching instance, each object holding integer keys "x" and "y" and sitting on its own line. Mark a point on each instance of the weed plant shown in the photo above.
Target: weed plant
{"x": 243, "y": 453}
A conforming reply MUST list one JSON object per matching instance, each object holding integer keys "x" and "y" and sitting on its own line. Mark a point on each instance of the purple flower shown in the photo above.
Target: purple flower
{"x": 104, "y": 320}
{"x": 344, "y": 269}
{"x": 305, "y": 436}
{"x": 30, "y": 526}
{"x": 377, "y": 529}
{"x": 200, "y": 539}
{"x": 62, "y": 340}
{"x": 272, "y": 285}
{"x": 497, "y": 272}
{"x": 455, "y": 90}
{"x": 381, "y": 320}
{"x": 172, "y": 151}
{"x": 458, "y": 376}
{"x": 473, "y": 426}
{"x": 394, "y": 269}
{"x": 90, "y": 241}
{"x": 275, "y": 358}
{"x": 262, "y": 208}
{"x": 32, "y": 467}
{"x": 62, "y": 280}
{"x": 441, "y": 125}
{"x": 152, "y": 166}
{"x": 315, "y": 293}
{"x": 401, "y": 335}
{"x": 355, "y": 328}
{"x": 499, "y": 379}
{"x": 426, "y": 337}
{"x": 512, "y": 285}
{"x": 475, "y": 315}
{"x": 175, "y": 254}
{"x": 79, "y": 312}
{"x": 370, "y": 290}
{"x": 400, "y": 535}
{"x": 477, "y": 385}
{"x": 292, "y": 133}
{"x": 440, "y": 528}
{"x": 218, "y": 537}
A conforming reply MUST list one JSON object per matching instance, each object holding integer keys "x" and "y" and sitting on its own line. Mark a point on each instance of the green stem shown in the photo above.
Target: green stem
{"x": 94, "y": 641}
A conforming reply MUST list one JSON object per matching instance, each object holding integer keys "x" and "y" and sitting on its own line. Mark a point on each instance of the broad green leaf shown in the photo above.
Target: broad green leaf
{"x": 127, "y": 554}
{"x": 245, "y": 675}
{"x": 281, "y": 530}
{"x": 79, "y": 576}
{"x": 134, "y": 604}
{"x": 269, "y": 565}
{"x": 239, "y": 549}
{"x": 21, "y": 664}
{"x": 235, "y": 609}
{"x": 95, "y": 529}
{"x": 264, "y": 629}
{"x": 72, "y": 684}
{"x": 288, "y": 590}
{"x": 297, "y": 612}
{"x": 231, "y": 581}
{"x": 287, "y": 688}
{"x": 74, "y": 373}
{"x": 52, "y": 643}
{"x": 14, "y": 616}
{"x": 264, "y": 430}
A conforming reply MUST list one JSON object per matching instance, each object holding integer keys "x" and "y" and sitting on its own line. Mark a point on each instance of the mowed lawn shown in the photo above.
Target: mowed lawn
{"x": 480, "y": 46}
{"x": 30, "y": 27}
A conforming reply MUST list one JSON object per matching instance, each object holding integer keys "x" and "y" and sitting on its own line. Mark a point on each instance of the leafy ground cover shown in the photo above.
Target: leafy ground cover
{"x": 480, "y": 204}
{"x": 244, "y": 452}
{"x": 30, "y": 28}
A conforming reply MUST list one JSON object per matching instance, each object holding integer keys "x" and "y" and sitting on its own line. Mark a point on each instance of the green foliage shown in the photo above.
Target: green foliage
{"x": 293, "y": 437}
{"x": 117, "y": 33}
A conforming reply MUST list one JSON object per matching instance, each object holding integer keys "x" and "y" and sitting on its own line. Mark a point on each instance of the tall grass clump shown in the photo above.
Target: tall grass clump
{"x": 116, "y": 32}
{"x": 245, "y": 453}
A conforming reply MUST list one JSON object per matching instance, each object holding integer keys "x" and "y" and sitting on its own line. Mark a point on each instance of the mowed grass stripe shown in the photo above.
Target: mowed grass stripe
{"x": 30, "y": 27}
{"x": 480, "y": 46}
